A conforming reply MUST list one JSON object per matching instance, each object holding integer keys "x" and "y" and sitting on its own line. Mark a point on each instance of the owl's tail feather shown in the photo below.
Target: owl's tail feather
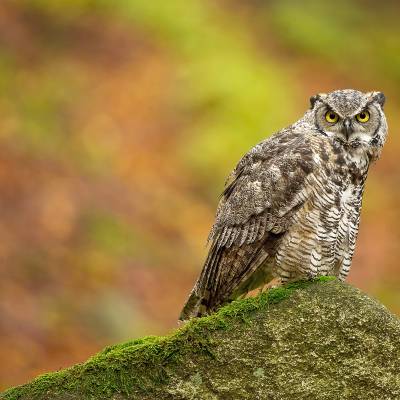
{"x": 225, "y": 276}
{"x": 197, "y": 303}
{"x": 192, "y": 307}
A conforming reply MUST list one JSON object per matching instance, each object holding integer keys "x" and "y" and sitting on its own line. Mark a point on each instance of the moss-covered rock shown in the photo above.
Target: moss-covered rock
{"x": 318, "y": 340}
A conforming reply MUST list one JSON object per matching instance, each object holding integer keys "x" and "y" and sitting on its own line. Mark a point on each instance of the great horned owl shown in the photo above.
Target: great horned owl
{"x": 291, "y": 207}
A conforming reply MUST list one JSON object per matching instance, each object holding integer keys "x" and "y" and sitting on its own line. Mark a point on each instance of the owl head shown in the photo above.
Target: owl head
{"x": 352, "y": 118}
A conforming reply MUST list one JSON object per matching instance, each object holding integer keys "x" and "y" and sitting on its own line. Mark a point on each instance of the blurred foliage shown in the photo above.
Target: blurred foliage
{"x": 119, "y": 122}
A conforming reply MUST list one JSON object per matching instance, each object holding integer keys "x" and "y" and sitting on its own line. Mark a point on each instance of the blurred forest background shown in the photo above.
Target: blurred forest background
{"x": 119, "y": 122}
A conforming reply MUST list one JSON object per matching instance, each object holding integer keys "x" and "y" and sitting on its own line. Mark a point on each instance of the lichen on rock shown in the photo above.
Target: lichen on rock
{"x": 308, "y": 340}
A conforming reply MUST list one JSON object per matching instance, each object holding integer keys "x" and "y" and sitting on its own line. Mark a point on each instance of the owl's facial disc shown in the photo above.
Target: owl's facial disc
{"x": 352, "y": 118}
{"x": 351, "y": 128}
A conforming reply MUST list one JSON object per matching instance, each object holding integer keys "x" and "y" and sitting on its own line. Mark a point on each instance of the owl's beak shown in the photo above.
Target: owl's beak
{"x": 347, "y": 128}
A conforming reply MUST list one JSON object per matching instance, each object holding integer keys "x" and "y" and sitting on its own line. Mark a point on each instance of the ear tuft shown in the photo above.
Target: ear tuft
{"x": 316, "y": 97}
{"x": 313, "y": 99}
{"x": 379, "y": 97}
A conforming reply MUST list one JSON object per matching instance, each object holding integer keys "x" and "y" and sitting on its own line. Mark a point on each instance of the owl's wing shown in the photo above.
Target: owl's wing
{"x": 262, "y": 189}
{"x": 260, "y": 195}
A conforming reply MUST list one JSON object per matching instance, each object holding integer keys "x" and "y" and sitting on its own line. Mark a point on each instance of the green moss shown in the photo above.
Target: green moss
{"x": 137, "y": 366}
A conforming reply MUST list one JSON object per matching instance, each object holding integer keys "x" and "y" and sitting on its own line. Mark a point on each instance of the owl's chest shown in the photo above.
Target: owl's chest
{"x": 339, "y": 210}
{"x": 341, "y": 185}
{"x": 338, "y": 205}
{"x": 324, "y": 230}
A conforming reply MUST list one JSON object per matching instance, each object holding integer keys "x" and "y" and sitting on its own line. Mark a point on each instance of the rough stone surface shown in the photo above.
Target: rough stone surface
{"x": 321, "y": 340}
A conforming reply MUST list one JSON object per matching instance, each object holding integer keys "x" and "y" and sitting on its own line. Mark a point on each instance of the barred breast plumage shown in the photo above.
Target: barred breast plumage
{"x": 291, "y": 207}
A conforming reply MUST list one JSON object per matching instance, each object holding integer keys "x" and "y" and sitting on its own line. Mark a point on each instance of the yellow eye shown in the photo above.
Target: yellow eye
{"x": 331, "y": 117}
{"x": 363, "y": 116}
